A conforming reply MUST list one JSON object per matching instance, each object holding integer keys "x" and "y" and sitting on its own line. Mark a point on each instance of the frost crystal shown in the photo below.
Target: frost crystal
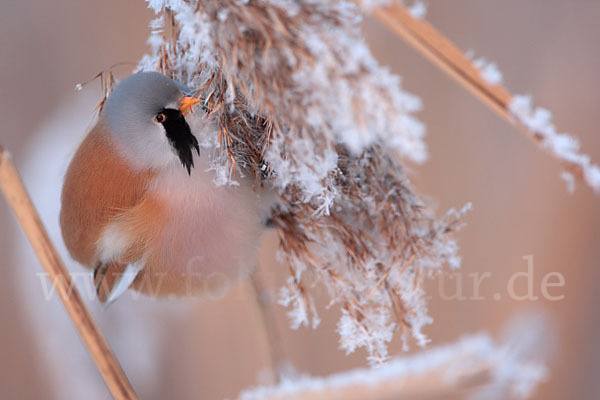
{"x": 418, "y": 10}
{"x": 473, "y": 365}
{"x": 538, "y": 122}
{"x": 562, "y": 145}
{"x": 489, "y": 70}
{"x": 569, "y": 181}
{"x": 301, "y": 104}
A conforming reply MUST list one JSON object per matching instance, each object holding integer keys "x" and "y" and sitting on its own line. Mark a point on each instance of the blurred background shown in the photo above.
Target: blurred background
{"x": 189, "y": 349}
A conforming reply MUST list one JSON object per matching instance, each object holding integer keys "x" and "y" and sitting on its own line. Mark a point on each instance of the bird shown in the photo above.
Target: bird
{"x": 139, "y": 203}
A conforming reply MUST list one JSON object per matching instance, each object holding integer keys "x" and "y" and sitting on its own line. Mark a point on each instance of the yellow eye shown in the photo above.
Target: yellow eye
{"x": 160, "y": 118}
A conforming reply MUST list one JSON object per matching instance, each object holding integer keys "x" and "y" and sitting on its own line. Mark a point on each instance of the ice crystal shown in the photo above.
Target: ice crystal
{"x": 494, "y": 370}
{"x": 418, "y": 10}
{"x": 562, "y": 145}
{"x": 489, "y": 70}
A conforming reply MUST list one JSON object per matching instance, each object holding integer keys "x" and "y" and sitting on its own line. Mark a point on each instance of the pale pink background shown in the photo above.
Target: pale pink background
{"x": 545, "y": 47}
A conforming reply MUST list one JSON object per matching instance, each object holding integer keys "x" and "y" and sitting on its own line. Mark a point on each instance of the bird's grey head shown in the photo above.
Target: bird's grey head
{"x": 146, "y": 116}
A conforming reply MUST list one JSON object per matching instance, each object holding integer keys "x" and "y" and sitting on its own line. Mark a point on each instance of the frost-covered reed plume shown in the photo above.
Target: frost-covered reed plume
{"x": 301, "y": 104}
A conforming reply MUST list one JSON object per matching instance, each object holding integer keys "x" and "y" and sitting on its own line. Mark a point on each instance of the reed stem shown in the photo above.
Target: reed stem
{"x": 21, "y": 204}
{"x": 432, "y": 44}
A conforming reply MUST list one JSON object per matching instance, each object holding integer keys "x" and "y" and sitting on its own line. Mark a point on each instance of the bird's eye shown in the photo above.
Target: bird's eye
{"x": 160, "y": 118}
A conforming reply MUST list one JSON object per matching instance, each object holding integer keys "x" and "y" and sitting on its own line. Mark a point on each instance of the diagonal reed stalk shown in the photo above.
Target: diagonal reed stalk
{"x": 18, "y": 198}
{"x": 468, "y": 368}
{"x": 430, "y": 386}
{"x": 427, "y": 40}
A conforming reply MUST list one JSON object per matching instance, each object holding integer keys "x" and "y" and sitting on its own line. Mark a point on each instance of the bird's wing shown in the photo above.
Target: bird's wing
{"x": 99, "y": 186}
{"x": 125, "y": 245}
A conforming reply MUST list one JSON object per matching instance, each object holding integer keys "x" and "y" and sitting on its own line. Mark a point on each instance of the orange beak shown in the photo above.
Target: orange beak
{"x": 188, "y": 104}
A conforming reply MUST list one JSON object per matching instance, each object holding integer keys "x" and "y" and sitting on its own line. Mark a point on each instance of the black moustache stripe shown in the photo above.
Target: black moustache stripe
{"x": 181, "y": 138}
